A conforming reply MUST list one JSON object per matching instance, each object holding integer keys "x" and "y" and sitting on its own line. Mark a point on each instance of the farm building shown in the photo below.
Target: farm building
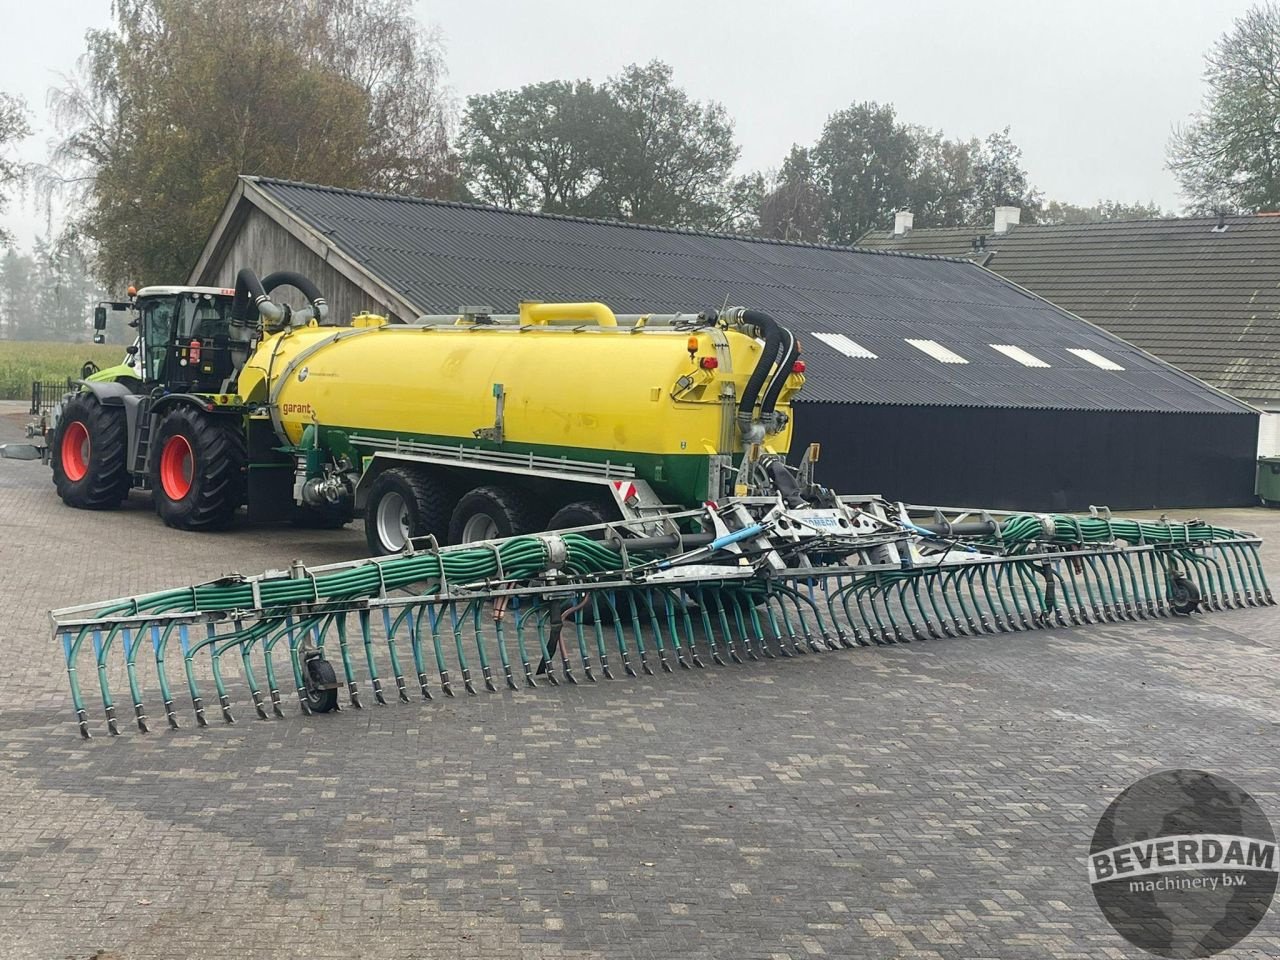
{"x": 930, "y": 379}
{"x": 1200, "y": 292}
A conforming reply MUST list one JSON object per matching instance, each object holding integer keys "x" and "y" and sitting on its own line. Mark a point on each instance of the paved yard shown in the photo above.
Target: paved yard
{"x": 929, "y": 801}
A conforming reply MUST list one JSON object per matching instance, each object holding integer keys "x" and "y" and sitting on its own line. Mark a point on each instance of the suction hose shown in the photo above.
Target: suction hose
{"x": 287, "y": 278}
{"x": 251, "y": 298}
{"x": 774, "y": 338}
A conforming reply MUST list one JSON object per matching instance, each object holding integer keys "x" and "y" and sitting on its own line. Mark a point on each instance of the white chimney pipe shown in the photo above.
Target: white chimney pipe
{"x": 902, "y": 221}
{"x": 1007, "y": 217}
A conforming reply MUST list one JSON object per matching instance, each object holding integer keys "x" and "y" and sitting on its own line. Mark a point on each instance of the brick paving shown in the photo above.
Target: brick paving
{"x": 930, "y": 801}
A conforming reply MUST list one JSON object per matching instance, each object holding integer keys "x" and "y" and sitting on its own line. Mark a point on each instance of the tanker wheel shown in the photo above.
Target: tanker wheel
{"x": 1184, "y": 595}
{"x": 198, "y": 469}
{"x": 405, "y": 503}
{"x": 491, "y": 513}
{"x": 584, "y": 513}
{"x": 89, "y": 453}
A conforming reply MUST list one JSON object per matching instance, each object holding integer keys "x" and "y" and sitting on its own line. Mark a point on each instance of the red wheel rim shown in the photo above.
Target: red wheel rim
{"x": 176, "y": 462}
{"x": 75, "y": 451}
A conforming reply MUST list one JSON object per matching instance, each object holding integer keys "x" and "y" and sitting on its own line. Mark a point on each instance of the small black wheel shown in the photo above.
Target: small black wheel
{"x": 198, "y": 469}
{"x": 318, "y": 679}
{"x": 404, "y": 503}
{"x": 491, "y": 513}
{"x": 89, "y": 453}
{"x": 1184, "y": 595}
{"x": 583, "y": 513}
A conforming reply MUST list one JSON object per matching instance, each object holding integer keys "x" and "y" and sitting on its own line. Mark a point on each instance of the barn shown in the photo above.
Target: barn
{"x": 930, "y": 379}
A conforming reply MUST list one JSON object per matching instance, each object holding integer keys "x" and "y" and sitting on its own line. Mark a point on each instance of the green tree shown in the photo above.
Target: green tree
{"x": 863, "y": 163}
{"x": 1057, "y": 212}
{"x": 636, "y": 147}
{"x": 668, "y": 157}
{"x": 183, "y": 95}
{"x": 943, "y": 186}
{"x": 536, "y": 148}
{"x": 14, "y": 127}
{"x": 1227, "y": 156}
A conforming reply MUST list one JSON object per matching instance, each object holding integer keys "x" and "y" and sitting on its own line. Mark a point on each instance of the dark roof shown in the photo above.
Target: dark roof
{"x": 1203, "y": 298}
{"x": 438, "y": 255}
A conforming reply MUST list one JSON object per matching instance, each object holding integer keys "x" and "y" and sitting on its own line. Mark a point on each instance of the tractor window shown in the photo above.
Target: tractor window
{"x": 157, "y": 316}
{"x": 204, "y": 318}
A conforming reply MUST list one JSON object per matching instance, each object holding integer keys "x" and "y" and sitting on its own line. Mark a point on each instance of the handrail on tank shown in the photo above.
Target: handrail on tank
{"x": 533, "y": 313}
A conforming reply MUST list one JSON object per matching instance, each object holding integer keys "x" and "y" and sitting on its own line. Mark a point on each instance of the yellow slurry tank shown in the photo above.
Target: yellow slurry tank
{"x": 568, "y": 386}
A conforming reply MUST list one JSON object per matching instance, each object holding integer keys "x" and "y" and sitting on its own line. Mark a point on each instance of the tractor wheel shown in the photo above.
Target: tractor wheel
{"x": 405, "y": 503}
{"x": 583, "y": 513}
{"x": 1184, "y": 595}
{"x": 491, "y": 513}
{"x": 317, "y": 680}
{"x": 89, "y": 453}
{"x": 198, "y": 469}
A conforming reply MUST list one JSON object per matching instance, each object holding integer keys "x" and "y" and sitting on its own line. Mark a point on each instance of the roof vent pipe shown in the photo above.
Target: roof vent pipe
{"x": 1007, "y": 217}
{"x": 902, "y": 222}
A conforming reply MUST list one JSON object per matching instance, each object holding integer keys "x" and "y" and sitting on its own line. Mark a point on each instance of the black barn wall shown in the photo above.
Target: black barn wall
{"x": 1019, "y": 459}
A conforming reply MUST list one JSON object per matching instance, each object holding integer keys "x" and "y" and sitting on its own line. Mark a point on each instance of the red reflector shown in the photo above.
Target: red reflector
{"x": 708, "y": 363}
{"x": 798, "y": 367}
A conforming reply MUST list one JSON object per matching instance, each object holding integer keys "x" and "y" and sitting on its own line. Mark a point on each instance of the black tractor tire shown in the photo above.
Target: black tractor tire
{"x": 584, "y": 513}
{"x": 405, "y": 503}
{"x": 198, "y": 465}
{"x": 89, "y": 454}
{"x": 491, "y": 513}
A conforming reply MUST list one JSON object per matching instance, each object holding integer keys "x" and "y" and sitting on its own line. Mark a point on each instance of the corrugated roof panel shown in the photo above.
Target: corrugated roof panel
{"x": 1205, "y": 298}
{"x": 440, "y": 255}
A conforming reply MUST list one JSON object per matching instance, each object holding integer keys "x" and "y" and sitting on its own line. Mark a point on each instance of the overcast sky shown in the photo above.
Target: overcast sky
{"x": 1090, "y": 89}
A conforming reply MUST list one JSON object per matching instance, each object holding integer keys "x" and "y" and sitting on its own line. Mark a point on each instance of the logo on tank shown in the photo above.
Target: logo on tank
{"x": 304, "y": 373}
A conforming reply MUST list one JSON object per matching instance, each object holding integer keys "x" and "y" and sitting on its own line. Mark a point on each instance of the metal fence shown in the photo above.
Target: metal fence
{"x": 45, "y": 394}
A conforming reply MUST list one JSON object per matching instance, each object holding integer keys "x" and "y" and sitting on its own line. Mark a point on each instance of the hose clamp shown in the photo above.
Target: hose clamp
{"x": 557, "y": 552}
{"x": 1047, "y": 525}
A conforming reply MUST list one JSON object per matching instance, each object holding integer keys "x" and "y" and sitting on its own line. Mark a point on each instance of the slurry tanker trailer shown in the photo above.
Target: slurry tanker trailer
{"x": 463, "y": 427}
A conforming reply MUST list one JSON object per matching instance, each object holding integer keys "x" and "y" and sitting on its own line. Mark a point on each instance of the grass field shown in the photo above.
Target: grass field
{"x": 22, "y": 361}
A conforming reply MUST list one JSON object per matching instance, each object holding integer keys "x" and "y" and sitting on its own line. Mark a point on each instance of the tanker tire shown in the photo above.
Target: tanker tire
{"x": 425, "y": 502}
{"x": 105, "y": 480}
{"x": 584, "y": 513}
{"x": 215, "y": 488}
{"x": 508, "y": 512}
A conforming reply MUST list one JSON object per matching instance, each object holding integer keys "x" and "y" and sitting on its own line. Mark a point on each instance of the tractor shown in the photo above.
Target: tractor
{"x": 168, "y": 419}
